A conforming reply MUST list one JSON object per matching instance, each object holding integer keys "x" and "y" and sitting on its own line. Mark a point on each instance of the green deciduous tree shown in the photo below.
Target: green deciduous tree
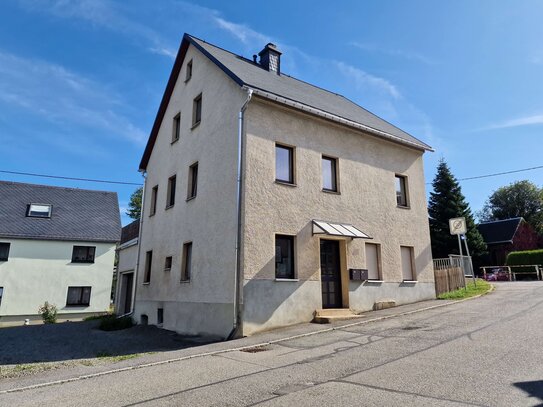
{"x": 134, "y": 206}
{"x": 521, "y": 198}
{"x": 446, "y": 202}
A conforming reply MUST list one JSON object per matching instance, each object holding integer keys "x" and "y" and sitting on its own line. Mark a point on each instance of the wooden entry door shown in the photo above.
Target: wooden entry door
{"x": 330, "y": 274}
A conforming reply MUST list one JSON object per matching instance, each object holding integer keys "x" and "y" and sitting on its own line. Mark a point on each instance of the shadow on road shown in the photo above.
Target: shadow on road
{"x": 81, "y": 340}
{"x": 534, "y": 389}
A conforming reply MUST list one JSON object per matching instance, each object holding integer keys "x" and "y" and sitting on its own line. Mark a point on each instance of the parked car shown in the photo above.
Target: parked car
{"x": 497, "y": 274}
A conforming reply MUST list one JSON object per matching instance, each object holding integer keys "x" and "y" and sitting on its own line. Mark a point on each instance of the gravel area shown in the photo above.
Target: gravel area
{"x": 29, "y": 349}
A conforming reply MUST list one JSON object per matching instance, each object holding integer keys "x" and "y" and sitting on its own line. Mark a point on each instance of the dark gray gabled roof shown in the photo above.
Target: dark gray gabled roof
{"x": 281, "y": 88}
{"x": 499, "y": 231}
{"x": 130, "y": 231}
{"x": 77, "y": 214}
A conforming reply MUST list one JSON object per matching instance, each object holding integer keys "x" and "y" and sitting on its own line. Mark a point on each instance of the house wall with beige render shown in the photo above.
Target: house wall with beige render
{"x": 367, "y": 167}
{"x": 205, "y": 304}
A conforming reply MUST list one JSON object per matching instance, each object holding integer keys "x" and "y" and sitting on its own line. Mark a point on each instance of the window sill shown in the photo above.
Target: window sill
{"x": 375, "y": 281}
{"x": 82, "y": 262}
{"x": 409, "y": 282}
{"x": 188, "y": 79}
{"x": 329, "y": 191}
{"x": 285, "y": 183}
{"x": 403, "y": 207}
{"x": 195, "y": 125}
{"x": 292, "y": 280}
{"x": 190, "y": 198}
{"x": 168, "y": 269}
{"x": 184, "y": 282}
{"x": 146, "y": 283}
{"x": 77, "y": 305}
{"x": 168, "y": 207}
{"x": 152, "y": 214}
{"x": 174, "y": 141}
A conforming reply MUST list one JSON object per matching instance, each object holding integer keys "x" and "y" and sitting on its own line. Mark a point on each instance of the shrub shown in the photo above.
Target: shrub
{"x": 48, "y": 313}
{"x": 525, "y": 257}
{"x": 112, "y": 323}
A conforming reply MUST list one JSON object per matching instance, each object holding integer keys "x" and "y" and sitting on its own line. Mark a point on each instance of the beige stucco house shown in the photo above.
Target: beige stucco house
{"x": 56, "y": 245}
{"x": 267, "y": 198}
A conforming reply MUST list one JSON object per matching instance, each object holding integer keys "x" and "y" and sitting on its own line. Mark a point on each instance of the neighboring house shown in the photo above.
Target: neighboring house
{"x": 126, "y": 265}
{"x": 505, "y": 236}
{"x": 56, "y": 245}
{"x": 328, "y": 192}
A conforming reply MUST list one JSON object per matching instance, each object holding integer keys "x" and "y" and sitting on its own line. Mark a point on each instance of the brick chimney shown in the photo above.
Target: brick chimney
{"x": 270, "y": 58}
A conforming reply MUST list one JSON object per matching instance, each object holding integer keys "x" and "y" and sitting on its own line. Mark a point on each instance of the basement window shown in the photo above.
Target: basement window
{"x": 39, "y": 210}
{"x": 78, "y": 296}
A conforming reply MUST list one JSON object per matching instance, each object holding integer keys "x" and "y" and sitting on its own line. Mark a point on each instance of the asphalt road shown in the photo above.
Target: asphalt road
{"x": 484, "y": 352}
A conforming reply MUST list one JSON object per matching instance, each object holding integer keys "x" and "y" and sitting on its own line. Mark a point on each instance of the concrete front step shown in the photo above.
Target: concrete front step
{"x": 327, "y": 315}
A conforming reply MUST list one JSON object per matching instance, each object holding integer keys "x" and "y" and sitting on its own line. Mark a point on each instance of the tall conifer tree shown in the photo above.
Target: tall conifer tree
{"x": 446, "y": 202}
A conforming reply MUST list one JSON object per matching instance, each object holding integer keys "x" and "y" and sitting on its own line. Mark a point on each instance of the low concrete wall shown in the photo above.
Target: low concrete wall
{"x": 363, "y": 295}
{"x": 271, "y": 304}
{"x": 190, "y": 318}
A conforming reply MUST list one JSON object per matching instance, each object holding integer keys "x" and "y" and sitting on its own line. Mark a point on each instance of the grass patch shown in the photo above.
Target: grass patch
{"x": 119, "y": 358}
{"x": 471, "y": 290}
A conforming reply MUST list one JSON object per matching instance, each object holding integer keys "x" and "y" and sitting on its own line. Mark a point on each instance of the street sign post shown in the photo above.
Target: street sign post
{"x": 459, "y": 227}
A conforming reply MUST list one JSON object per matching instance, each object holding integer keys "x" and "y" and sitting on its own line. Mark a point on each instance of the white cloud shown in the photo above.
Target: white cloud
{"x": 103, "y": 13}
{"x": 243, "y": 33}
{"x": 518, "y": 122}
{"x": 413, "y": 56}
{"x": 63, "y": 97}
{"x": 364, "y": 80}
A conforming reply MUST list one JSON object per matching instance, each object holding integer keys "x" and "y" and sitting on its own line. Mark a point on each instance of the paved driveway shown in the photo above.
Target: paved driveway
{"x": 484, "y": 352}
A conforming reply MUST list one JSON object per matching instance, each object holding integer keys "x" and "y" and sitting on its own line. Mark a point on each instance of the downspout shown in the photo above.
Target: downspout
{"x": 136, "y": 271}
{"x": 238, "y": 278}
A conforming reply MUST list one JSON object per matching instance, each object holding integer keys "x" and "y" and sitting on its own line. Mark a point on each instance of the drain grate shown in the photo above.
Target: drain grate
{"x": 256, "y": 349}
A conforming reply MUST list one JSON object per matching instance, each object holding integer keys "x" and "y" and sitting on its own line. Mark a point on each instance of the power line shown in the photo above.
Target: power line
{"x": 497, "y": 173}
{"x": 70, "y": 178}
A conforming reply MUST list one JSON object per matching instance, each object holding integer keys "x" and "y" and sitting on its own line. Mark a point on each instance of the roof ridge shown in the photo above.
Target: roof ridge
{"x": 56, "y": 187}
{"x": 501, "y": 220}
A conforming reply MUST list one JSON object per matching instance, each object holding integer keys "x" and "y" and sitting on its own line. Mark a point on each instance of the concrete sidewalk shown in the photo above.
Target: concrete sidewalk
{"x": 80, "y": 372}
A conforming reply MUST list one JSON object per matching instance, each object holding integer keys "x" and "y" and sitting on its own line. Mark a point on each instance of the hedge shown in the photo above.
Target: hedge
{"x": 525, "y": 258}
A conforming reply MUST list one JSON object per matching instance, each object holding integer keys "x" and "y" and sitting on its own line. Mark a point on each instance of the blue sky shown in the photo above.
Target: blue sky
{"x": 81, "y": 81}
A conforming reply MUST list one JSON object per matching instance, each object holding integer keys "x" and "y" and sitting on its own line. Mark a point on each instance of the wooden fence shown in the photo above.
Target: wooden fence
{"x": 448, "y": 275}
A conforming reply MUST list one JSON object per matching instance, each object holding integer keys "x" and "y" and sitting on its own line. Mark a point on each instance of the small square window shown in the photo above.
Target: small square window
{"x": 4, "y": 251}
{"x": 83, "y": 254}
{"x": 78, "y": 296}
{"x": 39, "y": 210}
{"x": 176, "y": 128}
{"x": 284, "y": 256}
{"x": 193, "y": 181}
{"x": 329, "y": 174}
{"x": 284, "y": 164}
{"x": 197, "y": 110}
{"x": 154, "y": 195}
{"x": 168, "y": 263}
{"x": 148, "y": 265}
{"x": 186, "y": 265}
{"x": 171, "y": 191}
{"x": 402, "y": 198}
{"x": 188, "y": 73}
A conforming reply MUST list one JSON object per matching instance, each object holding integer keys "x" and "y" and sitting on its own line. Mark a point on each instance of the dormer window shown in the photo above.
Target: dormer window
{"x": 39, "y": 210}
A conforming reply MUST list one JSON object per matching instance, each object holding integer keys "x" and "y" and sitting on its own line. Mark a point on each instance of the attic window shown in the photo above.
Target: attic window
{"x": 39, "y": 210}
{"x": 188, "y": 73}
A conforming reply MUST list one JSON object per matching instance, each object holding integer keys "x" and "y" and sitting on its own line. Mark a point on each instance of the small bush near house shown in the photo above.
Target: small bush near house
{"x": 48, "y": 313}
{"x": 112, "y": 323}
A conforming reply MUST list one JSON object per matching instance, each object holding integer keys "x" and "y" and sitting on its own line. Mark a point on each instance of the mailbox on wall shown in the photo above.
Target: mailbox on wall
{"x": 358, "y": 274}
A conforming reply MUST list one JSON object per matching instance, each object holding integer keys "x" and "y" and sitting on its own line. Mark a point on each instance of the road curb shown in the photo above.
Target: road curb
{"x": 239, "y": 348}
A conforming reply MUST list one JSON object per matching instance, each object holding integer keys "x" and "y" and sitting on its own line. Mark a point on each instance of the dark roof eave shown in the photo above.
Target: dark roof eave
{"x": 59, "y": 238}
